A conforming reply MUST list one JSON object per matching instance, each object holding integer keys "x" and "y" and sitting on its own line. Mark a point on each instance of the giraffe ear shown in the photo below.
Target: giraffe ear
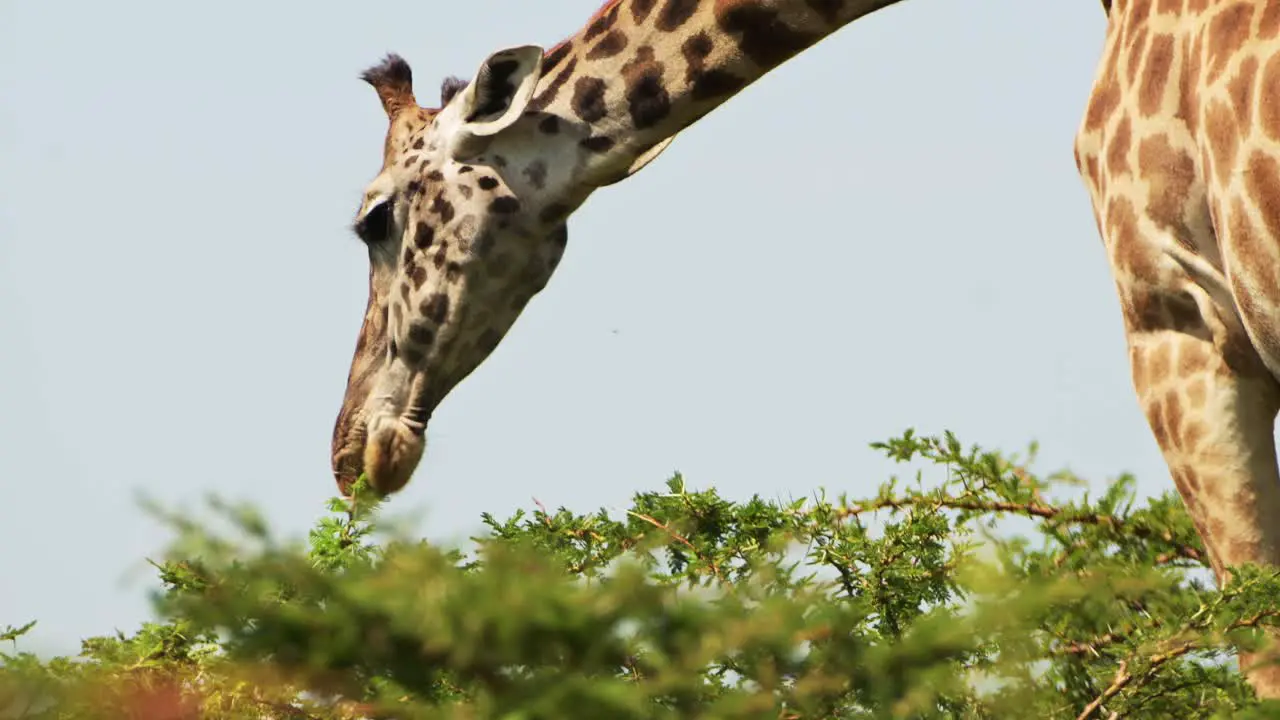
{"x": 496, "y": 97}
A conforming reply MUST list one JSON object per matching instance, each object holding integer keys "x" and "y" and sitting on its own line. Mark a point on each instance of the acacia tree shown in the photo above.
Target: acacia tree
{"x": 985, "y": 594}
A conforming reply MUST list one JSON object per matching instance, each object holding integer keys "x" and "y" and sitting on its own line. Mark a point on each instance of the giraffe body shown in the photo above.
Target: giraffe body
{"x": 1179, "y": 148}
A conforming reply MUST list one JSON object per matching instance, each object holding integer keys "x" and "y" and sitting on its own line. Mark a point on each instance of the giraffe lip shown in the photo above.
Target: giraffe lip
{"x": 348, "y": 464}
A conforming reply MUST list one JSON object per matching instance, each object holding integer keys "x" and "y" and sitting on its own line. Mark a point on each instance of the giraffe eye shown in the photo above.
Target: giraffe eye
{"x": 375, "y": 226}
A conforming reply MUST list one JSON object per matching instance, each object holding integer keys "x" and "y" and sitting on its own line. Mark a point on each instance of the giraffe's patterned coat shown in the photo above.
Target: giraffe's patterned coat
{"x": 1179, "y": 147}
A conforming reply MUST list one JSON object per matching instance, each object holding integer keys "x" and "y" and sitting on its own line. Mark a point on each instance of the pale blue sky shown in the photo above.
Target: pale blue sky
{"x": 887, "y": 231}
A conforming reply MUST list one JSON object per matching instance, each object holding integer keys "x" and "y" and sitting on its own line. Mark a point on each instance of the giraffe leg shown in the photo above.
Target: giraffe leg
{"x": 1212, "y": 407}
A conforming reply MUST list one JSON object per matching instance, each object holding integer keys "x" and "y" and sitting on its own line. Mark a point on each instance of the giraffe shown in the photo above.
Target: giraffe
{"x": 466, "y": 220}
{"x": 1179, "y": 150}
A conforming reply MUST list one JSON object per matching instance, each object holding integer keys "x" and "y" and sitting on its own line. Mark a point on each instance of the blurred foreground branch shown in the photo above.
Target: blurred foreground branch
{"x": 921, "y": 601}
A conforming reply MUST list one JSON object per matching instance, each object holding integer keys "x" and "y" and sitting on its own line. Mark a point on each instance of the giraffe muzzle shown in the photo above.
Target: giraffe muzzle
{"x": 392, "y": 452}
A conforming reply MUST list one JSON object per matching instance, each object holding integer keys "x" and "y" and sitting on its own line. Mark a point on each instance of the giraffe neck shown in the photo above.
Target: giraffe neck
{"x": 640, "y": 71}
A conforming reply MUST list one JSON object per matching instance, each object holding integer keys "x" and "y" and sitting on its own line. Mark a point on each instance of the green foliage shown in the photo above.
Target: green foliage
{"x": 917, "y": 602}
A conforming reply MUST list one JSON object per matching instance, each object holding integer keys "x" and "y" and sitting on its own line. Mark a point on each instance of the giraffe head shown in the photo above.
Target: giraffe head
{"x": 464, "y": 223}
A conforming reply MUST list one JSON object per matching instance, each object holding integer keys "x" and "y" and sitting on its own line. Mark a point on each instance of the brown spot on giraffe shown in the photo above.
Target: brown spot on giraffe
{"x": 1102, "y": 103}
{"x": 1227, "y": 32}
{"x": 1093, "y": 170}
{"x": 1257, "y": 253}
{"x": 1139, "y": 10}
{"x": 1269, "y": 22}
{"x": 1118, "y": 146}
{"x": 1129, "y": 253}
{"x": 442, "y": 207}
{"x": 423, "y": 236}
{"x": 604, "y": 20}
{"x": 695, "y": 50}
{"x": 1258, "y": 249}
{"x": 418, "y": 275}
{"x": 1171, "y": 172}
{"x": 1155, "y": 78}
{"x": 640, "y": 9}
{"x": 1153, "y": 407}
{"x": 1188, "y": 100}
{"x": 647, "y": 98}
{"x": 706, "y": 83}
{"x": 1240, "y": 91}
{"x": 613, "y": 43}
{"x": 1173, "y": 411}
{"x": 1269, "y": 87}
{"x": 453, "y": 272}
{"x": 761, "y": 33}
{"x": 674, "y": 14}
{"x": 588, "y": 99}
{"x": 554, "y": 57}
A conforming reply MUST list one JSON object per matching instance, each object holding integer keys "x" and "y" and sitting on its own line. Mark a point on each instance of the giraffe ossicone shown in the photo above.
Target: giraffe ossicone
{"x": 1179, "y": 148}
